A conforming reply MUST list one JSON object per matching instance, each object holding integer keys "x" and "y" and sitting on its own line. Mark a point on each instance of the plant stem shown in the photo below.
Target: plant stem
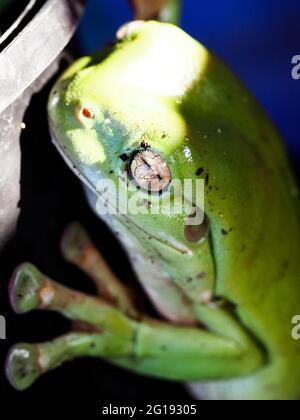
{"x": 171, "y": 12}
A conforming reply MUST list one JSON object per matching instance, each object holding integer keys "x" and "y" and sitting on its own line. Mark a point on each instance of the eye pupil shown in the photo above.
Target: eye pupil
{"x": 150, "y": 171}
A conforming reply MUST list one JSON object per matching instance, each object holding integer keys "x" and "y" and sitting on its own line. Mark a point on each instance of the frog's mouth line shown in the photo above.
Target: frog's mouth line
{"x": 182, "y": 250}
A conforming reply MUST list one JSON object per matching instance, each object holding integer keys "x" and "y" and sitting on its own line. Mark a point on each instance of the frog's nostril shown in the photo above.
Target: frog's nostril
{"x": 85, "y": 114}
{"x": 196, "y": 233}
{"x": 150, "y": 171}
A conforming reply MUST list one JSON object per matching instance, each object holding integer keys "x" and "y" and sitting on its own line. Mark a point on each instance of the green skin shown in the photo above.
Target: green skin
{"x": 159, "y": 86}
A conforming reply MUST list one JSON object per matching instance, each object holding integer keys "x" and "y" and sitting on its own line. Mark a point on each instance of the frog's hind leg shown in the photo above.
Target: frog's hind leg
{"x": 143, "y": 345}
{"x": 77, "y": 248}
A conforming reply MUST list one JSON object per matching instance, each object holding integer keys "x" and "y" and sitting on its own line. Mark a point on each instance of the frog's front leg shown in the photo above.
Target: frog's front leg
{"x": 108, "y": 328}
{"x": 77, "y": 248}
{"x": 143, "y": 345}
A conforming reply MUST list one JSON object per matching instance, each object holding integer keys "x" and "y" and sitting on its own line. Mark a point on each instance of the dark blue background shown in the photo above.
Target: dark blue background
{"x": 257, "y": 38}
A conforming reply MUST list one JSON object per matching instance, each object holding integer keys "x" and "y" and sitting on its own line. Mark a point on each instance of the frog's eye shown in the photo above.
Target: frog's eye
{"x": 150, "y": 171}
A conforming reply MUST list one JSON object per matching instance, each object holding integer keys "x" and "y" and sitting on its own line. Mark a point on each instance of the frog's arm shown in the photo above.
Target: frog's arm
{"x": 78, "y": 249}
{"x": 141, "y": 344}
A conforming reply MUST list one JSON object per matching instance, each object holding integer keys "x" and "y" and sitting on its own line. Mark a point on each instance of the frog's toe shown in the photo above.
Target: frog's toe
{"x": 75, "y": 244}
{"x": 78, "y": 248}
{"x": 24, "y": 288}
{"x": 22, "y": 368}
{"x": 26, "y": 362}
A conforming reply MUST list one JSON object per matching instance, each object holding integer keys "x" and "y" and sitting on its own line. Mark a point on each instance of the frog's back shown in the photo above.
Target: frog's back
{"x": 253, "y": 206}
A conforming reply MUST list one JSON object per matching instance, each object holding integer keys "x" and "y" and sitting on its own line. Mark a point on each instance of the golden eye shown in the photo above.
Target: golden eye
{"x": 150, "y": 171}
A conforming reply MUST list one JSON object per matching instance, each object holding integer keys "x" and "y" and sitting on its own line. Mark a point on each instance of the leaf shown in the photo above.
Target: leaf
{"x": 148, "y": 9}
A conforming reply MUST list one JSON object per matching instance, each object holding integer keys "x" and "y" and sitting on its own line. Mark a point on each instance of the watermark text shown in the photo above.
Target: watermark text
{"x": 182, "y": 197}
{"x": 296, "y": 67}
{"x": 296, "y": 328}
{"x": 2, "y": 328}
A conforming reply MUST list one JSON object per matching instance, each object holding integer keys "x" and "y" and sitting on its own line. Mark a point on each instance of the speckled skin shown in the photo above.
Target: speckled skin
{"x": 242, "y": 281}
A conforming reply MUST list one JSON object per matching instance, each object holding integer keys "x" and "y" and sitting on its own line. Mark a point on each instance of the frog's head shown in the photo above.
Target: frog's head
{"x": 117, "y": 114}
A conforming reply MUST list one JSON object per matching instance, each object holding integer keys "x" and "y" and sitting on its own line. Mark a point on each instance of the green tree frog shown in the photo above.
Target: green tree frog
{"x": 158, "y": 106}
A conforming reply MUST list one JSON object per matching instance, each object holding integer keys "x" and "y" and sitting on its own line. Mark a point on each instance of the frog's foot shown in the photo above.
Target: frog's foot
{"x": 29, "y": 289}
{"x": 143, "y": 345}
{"x": 77, "y": 248}
{"x": 27, "y": 362}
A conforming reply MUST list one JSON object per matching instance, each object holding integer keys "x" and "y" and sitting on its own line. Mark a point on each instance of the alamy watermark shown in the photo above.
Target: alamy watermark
{"x": 2, "y": 328}
{"x": 125, "y": 197}
{"x": 296, "y": 328}
{"x": 296, "y": 67}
